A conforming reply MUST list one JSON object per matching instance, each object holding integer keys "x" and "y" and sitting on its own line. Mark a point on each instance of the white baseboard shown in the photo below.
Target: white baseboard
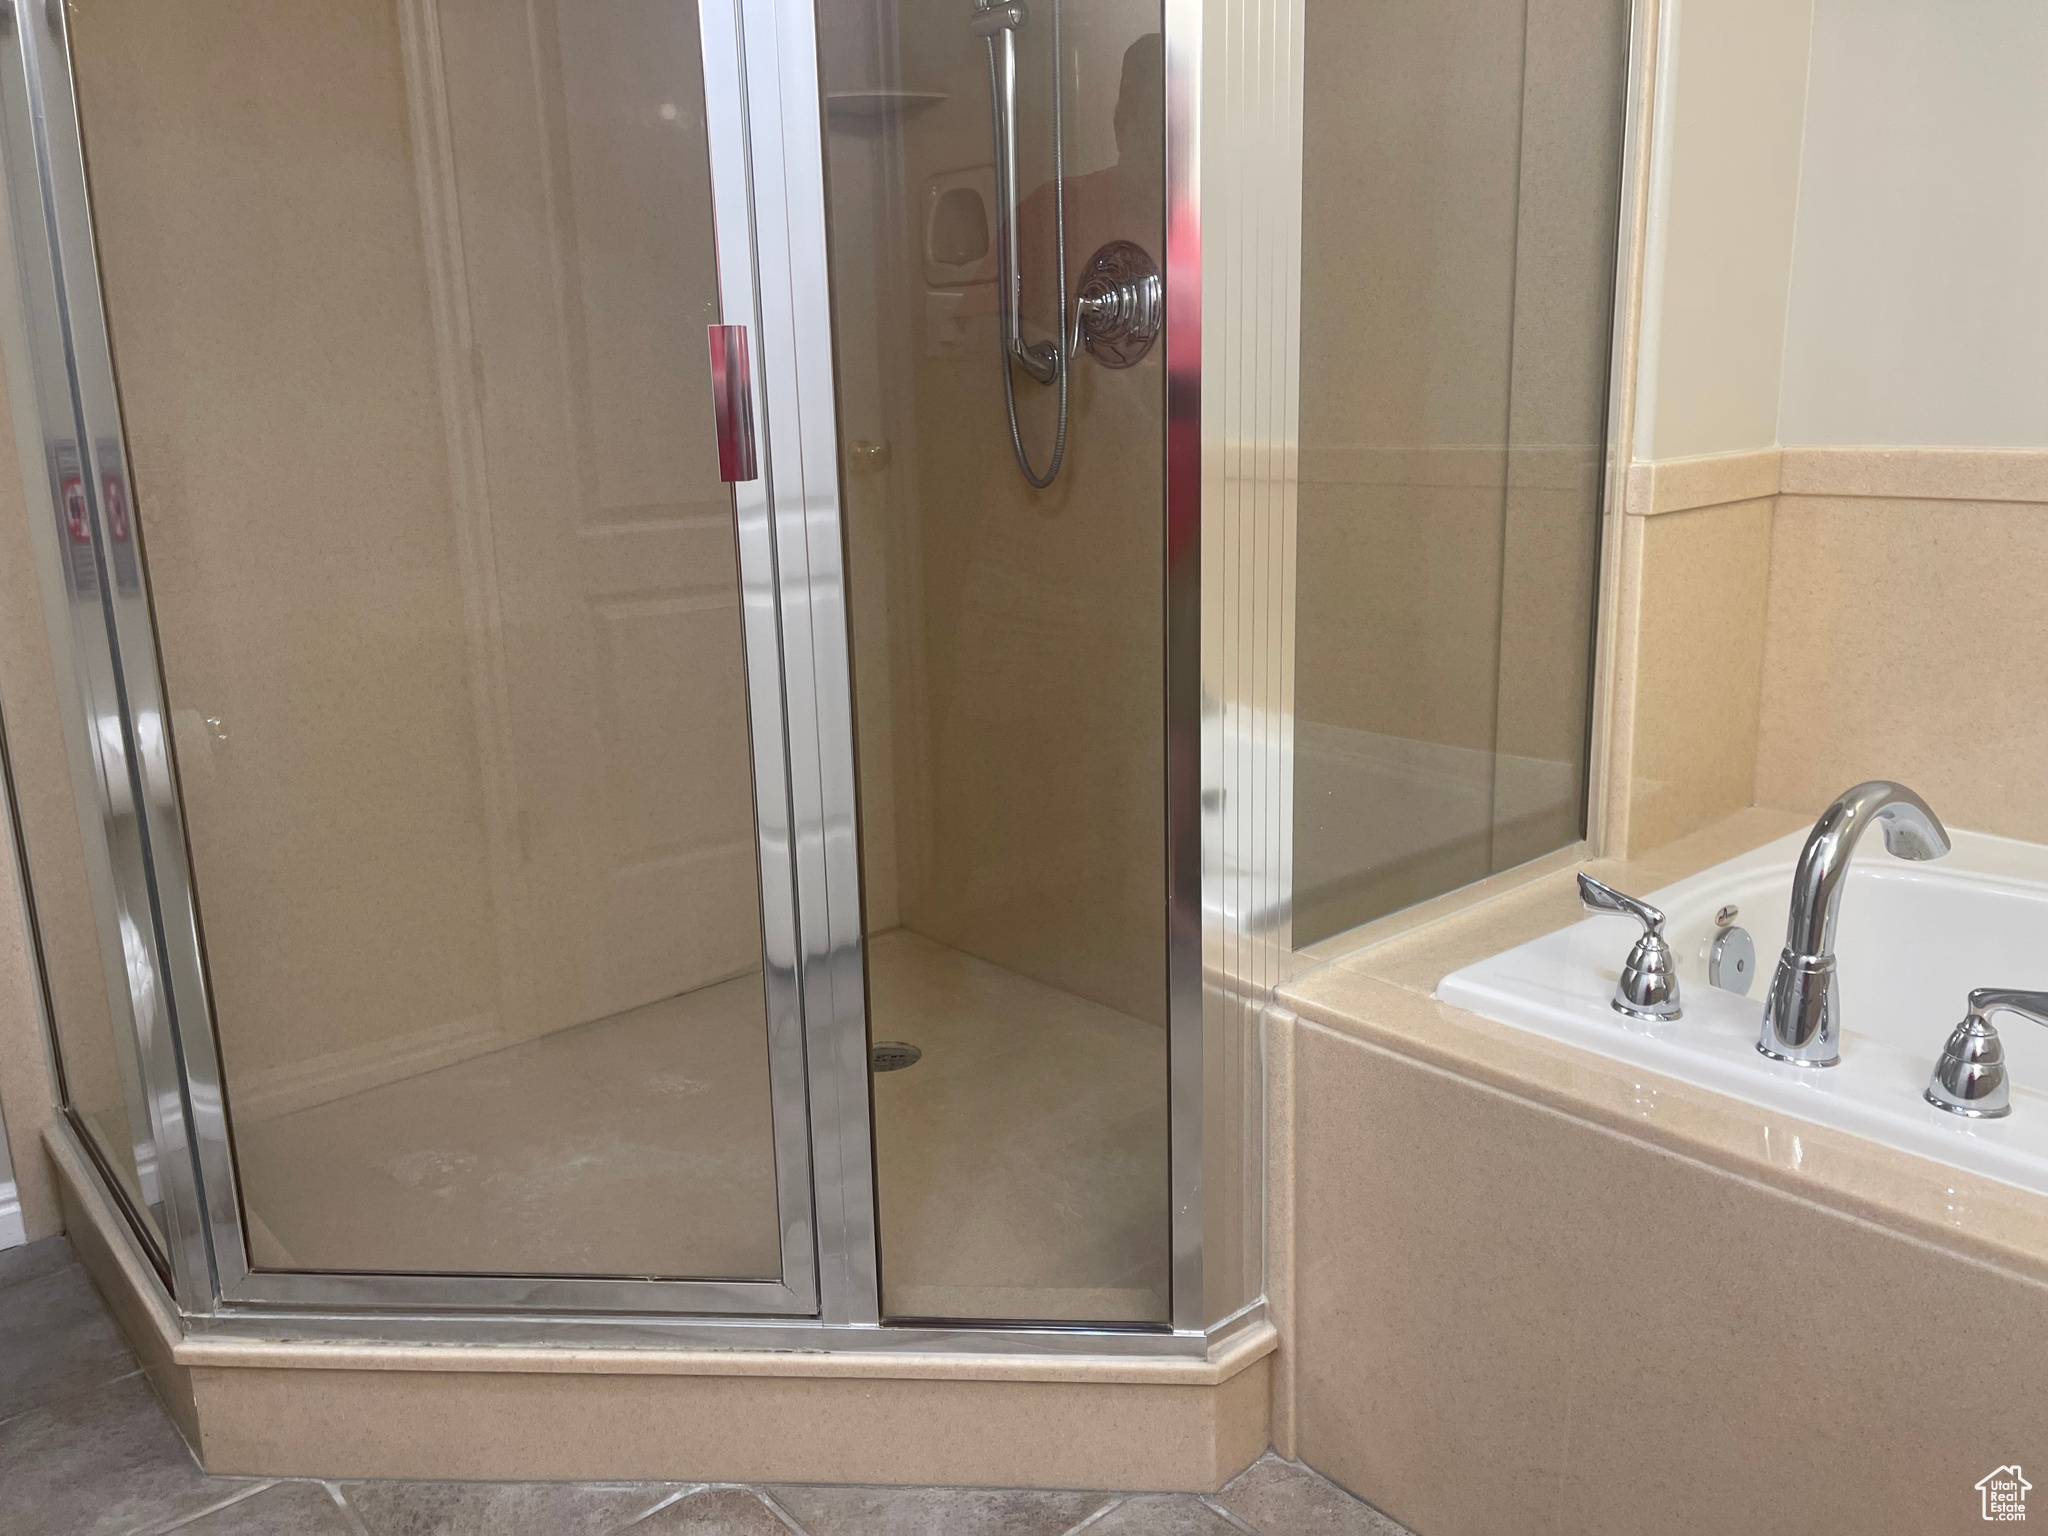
{"x": 12, "y": 1233}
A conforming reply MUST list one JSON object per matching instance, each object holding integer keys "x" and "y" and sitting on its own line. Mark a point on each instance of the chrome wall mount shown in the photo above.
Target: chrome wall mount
{"x": 1648, "y": 988}
{"x": 1802, "y": 1020}
{"x": 1122, "y": 304}
{"x": 1970, "y": 1078}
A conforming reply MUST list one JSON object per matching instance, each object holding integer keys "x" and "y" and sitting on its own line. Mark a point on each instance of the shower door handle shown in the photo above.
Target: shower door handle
{"x": 732, "y": 403}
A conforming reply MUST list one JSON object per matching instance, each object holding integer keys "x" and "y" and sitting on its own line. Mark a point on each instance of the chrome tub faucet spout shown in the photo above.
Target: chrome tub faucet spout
{"x": 1802, "y": 1020}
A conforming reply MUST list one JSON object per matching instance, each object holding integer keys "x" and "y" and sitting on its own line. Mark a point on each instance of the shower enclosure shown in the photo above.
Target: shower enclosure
{"x": 494, "y": 905}
{"x": 655, "y": 737}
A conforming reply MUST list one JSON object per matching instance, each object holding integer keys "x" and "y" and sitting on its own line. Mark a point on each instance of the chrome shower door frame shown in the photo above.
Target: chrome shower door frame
{"x": 765, "y": 109}
{"x": 135, "y": 835}
{"x": 785, "y": 87}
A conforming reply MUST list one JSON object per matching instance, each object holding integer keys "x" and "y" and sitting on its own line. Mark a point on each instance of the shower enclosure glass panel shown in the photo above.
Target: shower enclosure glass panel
{"x": 1461, "y": 182}
{"x": 408, "y": 304}
{"x": 1007, "y": 640}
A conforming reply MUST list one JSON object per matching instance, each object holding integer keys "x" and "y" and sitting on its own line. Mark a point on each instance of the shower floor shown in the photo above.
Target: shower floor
{"x": 1022, "y": 1161}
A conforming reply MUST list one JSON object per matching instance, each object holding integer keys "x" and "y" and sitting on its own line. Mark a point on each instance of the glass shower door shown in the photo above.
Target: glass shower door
{"x": 469, "y": 873}
{"x": 1004, "y": 440}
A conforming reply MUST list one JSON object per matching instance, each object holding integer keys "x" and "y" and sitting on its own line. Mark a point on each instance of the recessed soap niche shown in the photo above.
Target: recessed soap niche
{"x": 959, "y": 255}
{"x": 959, "y": 227}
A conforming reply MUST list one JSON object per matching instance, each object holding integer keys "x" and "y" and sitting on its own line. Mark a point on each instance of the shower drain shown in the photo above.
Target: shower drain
{"x": 892, "y": 1056}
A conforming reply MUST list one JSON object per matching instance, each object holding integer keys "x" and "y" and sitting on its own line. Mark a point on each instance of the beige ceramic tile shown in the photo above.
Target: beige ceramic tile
{"x": 1723, "y": 839}
{"x": 1904, "y": 642}
{"x": 1949, "y": 474}
{"x": 1639, "y": 486}
{"x": 1244, "y": 1419}
{"x": 1378, "y": 1299}
{"x": 455, "y": 1424}
{"x": 1699, "y": 668}
{"x": 1680, "y": 485}
{"x": 1233, "y": 1146}
{"x": 1511, "y": 1320}
{"x": 1620, "y": 637}
{"x": 131, "y": 1292}
{"x": 1228, "y": 1359}
{"x": 1281, "y": 1026}
{"x": 1962, "y": 1212}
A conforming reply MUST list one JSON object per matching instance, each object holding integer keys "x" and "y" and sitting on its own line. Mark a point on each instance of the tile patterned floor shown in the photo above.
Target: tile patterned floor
{"x": 85, "y": 1450}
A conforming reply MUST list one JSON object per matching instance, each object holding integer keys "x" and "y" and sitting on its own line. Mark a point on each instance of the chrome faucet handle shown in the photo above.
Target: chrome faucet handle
{"x": 1970, "y": 1079}
{"x": 1648, "y": 988}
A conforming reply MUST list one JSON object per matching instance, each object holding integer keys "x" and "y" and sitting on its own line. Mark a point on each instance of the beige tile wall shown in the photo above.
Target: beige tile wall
{"x": 1701, "y": 580}
{"x": 1796, "y": 621}
{"x": 1012, "y": 794}
{"x": 1905, "y": 637}
{"x": 1512, "y": 1320}
{"x": 736, "y": 1428}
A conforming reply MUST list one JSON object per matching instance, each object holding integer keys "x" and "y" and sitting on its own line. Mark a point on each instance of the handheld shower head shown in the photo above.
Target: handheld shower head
{"x": 997, "y": 23}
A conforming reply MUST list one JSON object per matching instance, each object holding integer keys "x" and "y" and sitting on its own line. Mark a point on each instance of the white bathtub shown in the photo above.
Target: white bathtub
{"x": 1912, "y": 941}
